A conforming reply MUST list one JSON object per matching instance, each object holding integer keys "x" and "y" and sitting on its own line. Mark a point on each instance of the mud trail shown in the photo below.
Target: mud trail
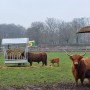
{"x": 55, "y": 86}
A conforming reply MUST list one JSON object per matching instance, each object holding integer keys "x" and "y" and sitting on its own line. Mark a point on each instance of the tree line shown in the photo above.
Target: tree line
{"x": 51, "y": 32}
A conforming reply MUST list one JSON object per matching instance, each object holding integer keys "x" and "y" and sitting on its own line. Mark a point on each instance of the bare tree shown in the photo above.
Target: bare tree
{"x": 52, "y": 27}
{"x": 34, "y": 33}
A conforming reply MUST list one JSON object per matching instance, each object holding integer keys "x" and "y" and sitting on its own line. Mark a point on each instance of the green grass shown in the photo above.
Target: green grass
{"x": 13, "y": 76}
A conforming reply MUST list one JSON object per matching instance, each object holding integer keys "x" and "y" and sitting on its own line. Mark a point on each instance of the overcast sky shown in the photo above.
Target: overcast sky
{"x": 24, "y": 12}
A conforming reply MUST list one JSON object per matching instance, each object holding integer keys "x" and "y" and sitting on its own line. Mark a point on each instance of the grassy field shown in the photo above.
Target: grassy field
{"x": 21, "y": 76}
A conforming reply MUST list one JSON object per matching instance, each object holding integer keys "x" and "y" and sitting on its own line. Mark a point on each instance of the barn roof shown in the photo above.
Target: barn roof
{"x": 9, "y": 41}
{"x": 84, "y": 30}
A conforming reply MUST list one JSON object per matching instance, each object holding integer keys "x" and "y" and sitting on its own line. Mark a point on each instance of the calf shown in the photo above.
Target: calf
{"x": 54, "y": 60}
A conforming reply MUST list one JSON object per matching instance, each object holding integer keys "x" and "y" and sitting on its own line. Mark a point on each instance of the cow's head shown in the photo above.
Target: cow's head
{"x": 76, "y": 58}
{"x": 23, "y": 54}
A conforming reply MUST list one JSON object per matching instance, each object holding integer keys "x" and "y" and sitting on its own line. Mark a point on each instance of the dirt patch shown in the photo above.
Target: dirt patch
{"x": 24, "y": 67}
{"x": 55, "y": 86}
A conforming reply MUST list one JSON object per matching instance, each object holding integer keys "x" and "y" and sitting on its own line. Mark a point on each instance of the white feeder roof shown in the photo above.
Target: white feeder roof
{"x": 15, "y": 41}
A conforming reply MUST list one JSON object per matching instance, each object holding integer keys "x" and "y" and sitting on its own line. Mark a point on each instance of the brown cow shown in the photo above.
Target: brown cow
{"x": 36, "y": 57}
{"x": 80, "y": 67}
{"x": 54, "y": 60}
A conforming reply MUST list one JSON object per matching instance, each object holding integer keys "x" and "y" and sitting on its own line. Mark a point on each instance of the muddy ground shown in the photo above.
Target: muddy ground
{"x": 55, "y": 86}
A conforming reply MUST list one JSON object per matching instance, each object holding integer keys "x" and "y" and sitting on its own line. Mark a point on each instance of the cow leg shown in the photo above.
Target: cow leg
{"x": 52, "y": 64}
{"x": 30, "y": 63}
{"x": 38, "y": 62}
{"x": 75, "y": 75}
{"x": 42, "y": 63}
{"x": 89, "y": 80}
{"x": 82, "y": 79}
{"x": 58, "y": 64}
{"x": 46, "y": 63}
{"x": 76, "y": 81}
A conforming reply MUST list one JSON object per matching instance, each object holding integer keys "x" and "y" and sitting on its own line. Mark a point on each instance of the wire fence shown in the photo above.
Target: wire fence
{"x": 60, "y": 48}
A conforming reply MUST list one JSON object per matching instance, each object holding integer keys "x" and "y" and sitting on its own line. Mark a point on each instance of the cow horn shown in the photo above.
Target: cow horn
{"x": 83, "y": 54}
{"x": 67, "y": 53}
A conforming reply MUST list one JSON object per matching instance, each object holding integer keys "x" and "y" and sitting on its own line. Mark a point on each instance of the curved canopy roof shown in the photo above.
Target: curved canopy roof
{"x": 84, "y": 30}
{"x": 14, "y": 41}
